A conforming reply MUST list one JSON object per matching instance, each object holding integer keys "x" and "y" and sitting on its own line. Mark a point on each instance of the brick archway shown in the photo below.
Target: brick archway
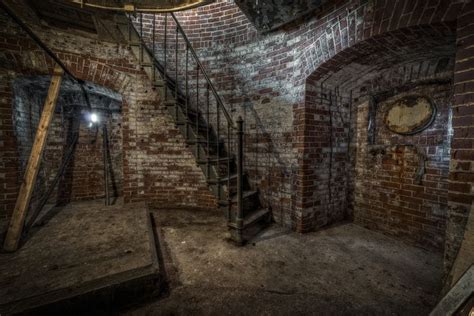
{"x": 345, "y": 71}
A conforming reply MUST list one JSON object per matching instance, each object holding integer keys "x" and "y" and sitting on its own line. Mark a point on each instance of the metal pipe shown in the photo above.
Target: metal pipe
{"x": 240, "y": 178}
{"x": 106, "y": 164}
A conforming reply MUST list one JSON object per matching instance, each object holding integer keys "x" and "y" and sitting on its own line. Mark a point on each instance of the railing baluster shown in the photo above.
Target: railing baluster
{"x": 164, "y": 57}
{"x": 176, "y": 76}
{"x": 208, "y": 162}
{"x": 240, "y": 165}
{"x": 153, "y": 68}
{"x": 218, "y": 150}
{"x": 229, "y": 200}
{"x": 186, "y": 93}
{"x": 140, "y": 57}
{"x": 129, "y": 29}
{"x": 199, "y": 65}
{"x": 197, "y": 113}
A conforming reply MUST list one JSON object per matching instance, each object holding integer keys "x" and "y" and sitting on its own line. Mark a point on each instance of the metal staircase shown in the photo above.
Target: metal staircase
{"x": 199, "y": 113}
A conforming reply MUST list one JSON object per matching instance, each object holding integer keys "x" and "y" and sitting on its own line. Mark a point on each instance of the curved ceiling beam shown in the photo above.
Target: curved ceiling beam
{"x": 159, "y": 6}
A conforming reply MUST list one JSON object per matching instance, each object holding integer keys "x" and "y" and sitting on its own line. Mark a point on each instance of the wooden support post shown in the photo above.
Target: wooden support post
{"x": 24, "y": 196}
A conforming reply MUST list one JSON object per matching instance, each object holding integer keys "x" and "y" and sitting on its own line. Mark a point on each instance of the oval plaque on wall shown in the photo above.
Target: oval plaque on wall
{"x": 409, "y": 115}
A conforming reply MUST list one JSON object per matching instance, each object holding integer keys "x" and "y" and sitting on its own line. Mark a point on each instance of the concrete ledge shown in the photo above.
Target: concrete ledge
{"x": 87, "y": 258}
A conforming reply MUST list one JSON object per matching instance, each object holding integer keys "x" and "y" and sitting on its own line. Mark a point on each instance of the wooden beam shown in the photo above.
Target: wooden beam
{"x": 24, "y": 196}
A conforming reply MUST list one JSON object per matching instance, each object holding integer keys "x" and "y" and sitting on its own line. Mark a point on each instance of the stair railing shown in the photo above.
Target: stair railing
{"x": 183, "y": 97}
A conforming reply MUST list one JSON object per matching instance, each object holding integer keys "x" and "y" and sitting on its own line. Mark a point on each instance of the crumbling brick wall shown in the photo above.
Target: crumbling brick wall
{"x": 157, "y": 165}
{"x": 263, "y": 76}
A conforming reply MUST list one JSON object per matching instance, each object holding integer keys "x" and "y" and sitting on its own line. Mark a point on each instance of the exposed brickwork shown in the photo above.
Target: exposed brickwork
{"x": 272, "y": 80}
{"x": 9, "y": 168}
{"x": 263, "y": 76}
{"x": 461, "y": 177}
{"x": 85, "y": 177}
{"x": 157, "y": 166}
{"x": 401, "y": 181}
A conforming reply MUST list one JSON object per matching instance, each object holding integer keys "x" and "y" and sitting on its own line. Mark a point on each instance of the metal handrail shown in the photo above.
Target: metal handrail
{"x": 198, "y": 62}
{"x": 171, "y": 84}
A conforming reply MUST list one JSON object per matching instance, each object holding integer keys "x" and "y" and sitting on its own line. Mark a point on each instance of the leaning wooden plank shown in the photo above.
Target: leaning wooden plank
{"x": 24, "y": 196}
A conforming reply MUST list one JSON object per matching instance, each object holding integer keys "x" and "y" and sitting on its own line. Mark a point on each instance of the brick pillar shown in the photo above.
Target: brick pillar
{"x": 461, "y": 177}
{"x": 303, "y": 123}
{"x": 9, "y": 160}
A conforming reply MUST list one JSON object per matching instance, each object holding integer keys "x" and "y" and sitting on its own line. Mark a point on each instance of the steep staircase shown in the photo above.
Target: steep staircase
{"x": 214, "y": 138}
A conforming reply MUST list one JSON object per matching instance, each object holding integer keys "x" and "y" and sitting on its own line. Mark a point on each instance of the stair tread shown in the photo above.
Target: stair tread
{"x": 224, "y": 179}
{"x": 246, "y": 194}
{"x": 252, "y": 218}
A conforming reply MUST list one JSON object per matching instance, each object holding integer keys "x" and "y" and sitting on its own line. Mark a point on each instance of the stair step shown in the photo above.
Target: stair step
{"x": 222, "y": 180}
{"x": 245, "y": 195}
{"x": 251, "y": 218}
{"x": 252, "y": 225}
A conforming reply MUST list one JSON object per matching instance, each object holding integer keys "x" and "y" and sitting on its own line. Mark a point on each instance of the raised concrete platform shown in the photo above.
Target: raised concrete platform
{"x": 88, "y": 258}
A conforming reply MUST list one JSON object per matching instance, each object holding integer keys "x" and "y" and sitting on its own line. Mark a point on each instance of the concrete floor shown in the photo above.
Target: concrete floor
{"x": 341, "y": 270}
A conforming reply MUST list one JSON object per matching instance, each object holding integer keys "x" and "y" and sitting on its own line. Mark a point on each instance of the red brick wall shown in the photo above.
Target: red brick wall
{"x": 85, "y": 177}
{"x": 398, "y": 63}
{"x": 9, "y": 168}
{"x": 389, "y": 194}
{"x": 157, "y": 165}
{"x": 263, "y": 78}
{"x": 461, "y": 177}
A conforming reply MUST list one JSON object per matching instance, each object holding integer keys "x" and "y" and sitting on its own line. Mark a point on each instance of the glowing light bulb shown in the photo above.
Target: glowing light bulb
{"x": 94, "y": 118}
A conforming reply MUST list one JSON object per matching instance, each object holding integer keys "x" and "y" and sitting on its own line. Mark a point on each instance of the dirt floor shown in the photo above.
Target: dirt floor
{"x": 341, "y": 270}
{"x": 83, "y": 247}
